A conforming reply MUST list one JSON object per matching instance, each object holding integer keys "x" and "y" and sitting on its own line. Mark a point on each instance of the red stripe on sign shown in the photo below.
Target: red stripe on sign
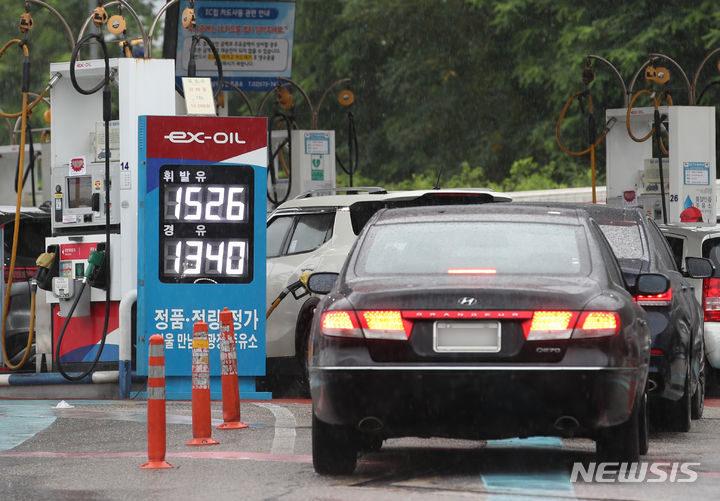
{"x": 156, "y": 382}
{"x": 204, "y": 138}
{"x": 156, "y": 360}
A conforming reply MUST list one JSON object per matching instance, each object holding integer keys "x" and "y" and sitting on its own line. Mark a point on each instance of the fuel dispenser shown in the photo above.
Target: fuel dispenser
{"x": 202, "y": 243}
{"x": 79, "y": 222}
{"x": 689, "y": 171}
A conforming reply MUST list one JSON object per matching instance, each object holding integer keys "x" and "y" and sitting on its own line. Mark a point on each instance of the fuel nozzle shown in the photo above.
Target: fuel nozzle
{"x": 96, "y": 271}
{"x": 47, "y": 267}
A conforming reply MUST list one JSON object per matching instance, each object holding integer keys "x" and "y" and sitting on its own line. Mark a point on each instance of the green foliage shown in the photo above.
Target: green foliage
{"x": 465, "y": 90}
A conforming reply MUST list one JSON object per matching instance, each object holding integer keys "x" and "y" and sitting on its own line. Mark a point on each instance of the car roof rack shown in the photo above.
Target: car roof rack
{"x": 348, "y": 190}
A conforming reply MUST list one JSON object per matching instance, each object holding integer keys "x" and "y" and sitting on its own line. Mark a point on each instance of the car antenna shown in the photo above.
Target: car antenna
{"x": 437, "y": 183}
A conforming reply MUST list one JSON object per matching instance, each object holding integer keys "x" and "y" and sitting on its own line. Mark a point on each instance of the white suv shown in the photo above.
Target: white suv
{"x": 315, "y": 233}
{"x": 702, "y": 241}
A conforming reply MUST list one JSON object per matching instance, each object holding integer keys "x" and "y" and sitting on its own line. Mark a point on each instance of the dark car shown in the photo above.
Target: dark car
{"x": 478, "y": 322}
{"x": 677, "y": 374}
{"x": 34, "y": 226}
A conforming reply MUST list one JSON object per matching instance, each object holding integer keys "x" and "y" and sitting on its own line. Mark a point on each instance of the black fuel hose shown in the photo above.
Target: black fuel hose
{"x": 192, "y": 67}
{"x": 274, "y": 198}
{"x": 352, "y": 150}
{"x": 658, "y": 124}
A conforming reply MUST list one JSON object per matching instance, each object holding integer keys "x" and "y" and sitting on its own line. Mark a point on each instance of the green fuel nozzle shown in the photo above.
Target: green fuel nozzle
{"x": 96, "y": 271}
{"x": 97, "y": 257}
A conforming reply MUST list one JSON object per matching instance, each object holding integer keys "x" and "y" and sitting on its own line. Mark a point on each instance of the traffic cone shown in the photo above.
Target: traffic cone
{"x": 228, "y": 371}
{"x": 156, "y": 404}
{"x": 201, "y": 422}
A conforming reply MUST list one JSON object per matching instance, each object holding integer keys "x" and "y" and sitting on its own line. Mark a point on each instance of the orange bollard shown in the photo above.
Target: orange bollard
{"x": 156, "y": 404}
{"x": 229, "y": 380}
{"x": 201, "y": 422}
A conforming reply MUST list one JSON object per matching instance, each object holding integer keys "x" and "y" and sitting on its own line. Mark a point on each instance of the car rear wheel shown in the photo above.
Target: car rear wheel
{"x": 334, "y": 448}
{"x": 622, "y": 443}
{"x": 302, "y": 337}
{"x": 679, "y": 415}
{"x": 698, "y": 399}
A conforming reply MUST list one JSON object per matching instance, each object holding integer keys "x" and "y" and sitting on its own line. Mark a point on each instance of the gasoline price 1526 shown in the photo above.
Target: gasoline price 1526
{"x": 205, "y": 203}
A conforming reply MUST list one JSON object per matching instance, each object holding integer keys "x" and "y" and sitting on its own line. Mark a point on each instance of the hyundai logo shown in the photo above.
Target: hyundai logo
{"x": 467, "y": 301}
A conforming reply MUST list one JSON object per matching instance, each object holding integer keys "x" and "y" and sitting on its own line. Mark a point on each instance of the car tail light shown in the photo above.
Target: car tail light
{"x": 664, "y": 299}
{"x": 565, "y": 324}
{"x": 656, "y": 352}
{"x": 711, "y": 299}
{"x": 597, "y": 324}
{"x": 340, "y": 324}
{"x": 551, "y": 325}
{"x": 385, "y": 324}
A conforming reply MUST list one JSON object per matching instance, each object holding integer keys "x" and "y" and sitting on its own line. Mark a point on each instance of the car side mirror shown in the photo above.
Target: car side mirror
{"x": 699, "y": 267}
{"x": 321, "y": 282}
{"x": 651, "y": 284}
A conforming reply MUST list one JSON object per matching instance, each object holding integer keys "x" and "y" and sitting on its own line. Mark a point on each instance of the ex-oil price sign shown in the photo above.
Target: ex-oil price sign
{"x": 201, "y": 242}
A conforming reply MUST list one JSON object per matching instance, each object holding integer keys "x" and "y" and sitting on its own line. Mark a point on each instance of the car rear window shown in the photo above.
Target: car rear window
{"x": 711, "y": 250}
{"x": 626, "y": 240}
{"x": 474, "y": 247}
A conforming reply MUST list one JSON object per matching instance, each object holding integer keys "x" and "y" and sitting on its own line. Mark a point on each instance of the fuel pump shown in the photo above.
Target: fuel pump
{"x": 94, "y": 178}
{"x": 655, "y": 132}
{"x": 97, "y": 260}
{"x": 675, "y": 183}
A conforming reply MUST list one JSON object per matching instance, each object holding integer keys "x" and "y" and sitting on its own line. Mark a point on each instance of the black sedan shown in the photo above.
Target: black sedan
{"x": 478, "y": 322}
{"x": 677, "y": 375}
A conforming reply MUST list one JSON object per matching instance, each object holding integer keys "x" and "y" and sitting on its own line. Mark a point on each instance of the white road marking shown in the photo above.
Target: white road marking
{"x": 284, "y": 439}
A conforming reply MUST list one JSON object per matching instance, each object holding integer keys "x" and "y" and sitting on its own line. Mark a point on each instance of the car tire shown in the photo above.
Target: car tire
{"x": 334, "y": 448}
{"x": 697, "y": 405}
{"x": 621, "y": 443}
{"x": 679, "y": 414}
{"x": 302, "y": 338}
{"x": 644, "y": 426}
